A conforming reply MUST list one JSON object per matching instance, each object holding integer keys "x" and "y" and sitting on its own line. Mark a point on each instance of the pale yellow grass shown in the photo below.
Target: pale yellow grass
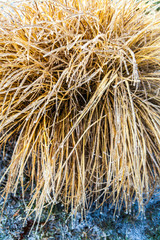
{"x": 79, "y": 91}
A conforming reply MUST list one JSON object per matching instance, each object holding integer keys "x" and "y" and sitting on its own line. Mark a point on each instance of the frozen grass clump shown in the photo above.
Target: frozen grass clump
{"x": 79, "y": 92}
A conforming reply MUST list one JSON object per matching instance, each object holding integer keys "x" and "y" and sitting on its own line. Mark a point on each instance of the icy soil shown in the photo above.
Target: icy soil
{"x": 98, "y": 225}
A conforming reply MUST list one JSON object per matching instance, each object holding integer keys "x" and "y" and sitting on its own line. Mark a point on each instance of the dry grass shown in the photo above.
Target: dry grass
{"x": 79, "y": 91}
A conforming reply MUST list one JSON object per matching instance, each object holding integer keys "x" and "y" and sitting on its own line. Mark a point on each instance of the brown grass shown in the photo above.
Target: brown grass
{"x": 79, "y": 91}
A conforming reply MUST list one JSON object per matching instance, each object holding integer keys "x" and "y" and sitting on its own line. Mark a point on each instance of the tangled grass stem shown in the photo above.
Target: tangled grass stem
{"x": 79, "y": 91}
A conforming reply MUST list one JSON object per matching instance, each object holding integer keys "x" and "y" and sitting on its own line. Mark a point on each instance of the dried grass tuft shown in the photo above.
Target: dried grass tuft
{"x": 79, "y": 91}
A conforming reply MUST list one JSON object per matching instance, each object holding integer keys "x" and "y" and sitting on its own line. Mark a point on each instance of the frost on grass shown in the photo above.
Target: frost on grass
{"x": 79, "y": 91}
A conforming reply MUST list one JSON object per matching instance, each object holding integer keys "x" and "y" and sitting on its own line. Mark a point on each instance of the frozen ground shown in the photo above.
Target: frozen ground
{"x": 98, "y": 225}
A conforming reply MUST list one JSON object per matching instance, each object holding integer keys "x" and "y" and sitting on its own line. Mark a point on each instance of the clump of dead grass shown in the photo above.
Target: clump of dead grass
{"x": 79, "y": 90}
